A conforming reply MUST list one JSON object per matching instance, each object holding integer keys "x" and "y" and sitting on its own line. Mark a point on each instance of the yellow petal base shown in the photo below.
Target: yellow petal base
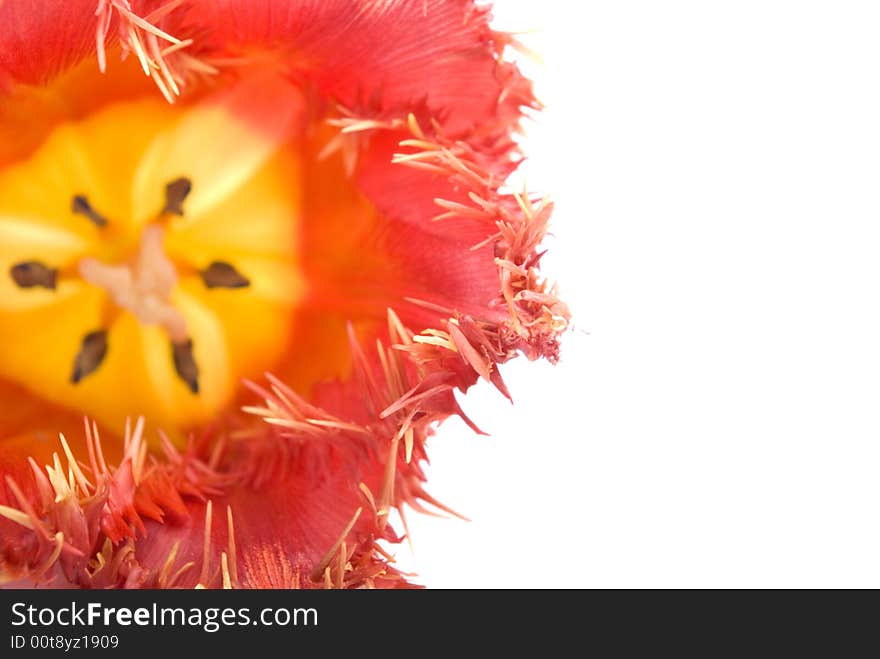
{"x": 243, "y": 210}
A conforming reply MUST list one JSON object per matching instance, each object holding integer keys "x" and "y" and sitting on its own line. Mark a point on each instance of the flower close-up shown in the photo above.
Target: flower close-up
{"x": 252, "y": 255}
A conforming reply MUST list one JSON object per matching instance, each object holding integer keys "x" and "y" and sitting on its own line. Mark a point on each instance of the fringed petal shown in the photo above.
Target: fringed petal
{"x": 377, "y": 55}
{"x": 288, "y": 508}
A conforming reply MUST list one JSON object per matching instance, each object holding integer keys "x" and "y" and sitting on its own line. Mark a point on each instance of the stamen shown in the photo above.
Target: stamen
{"x": 81, "y": 206}
{"x": 90, "y": 356}
{"x": 223, "y": 275}
{"x": 175, "y": 194}
{"x": 29, "y": 274}
{"x": 185, "y": 364}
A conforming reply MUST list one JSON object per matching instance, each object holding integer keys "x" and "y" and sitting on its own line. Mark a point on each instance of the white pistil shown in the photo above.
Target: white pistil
{"x": 142, "y": 287}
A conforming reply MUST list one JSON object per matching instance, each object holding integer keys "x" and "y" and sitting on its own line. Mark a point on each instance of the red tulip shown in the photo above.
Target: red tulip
{"x": 194, "y": 193}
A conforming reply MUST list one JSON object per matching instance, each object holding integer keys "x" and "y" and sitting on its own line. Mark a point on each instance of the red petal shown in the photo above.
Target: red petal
{"x": 291, "y": 511}
{"x": 385, "y": 56}
{"x": 40, "y": 39}
{"x": 388, "y": 55}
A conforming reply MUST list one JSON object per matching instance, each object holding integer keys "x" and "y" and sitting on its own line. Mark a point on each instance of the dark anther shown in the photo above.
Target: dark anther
{"x": 223, "y": 275}
{"x": 81, "y": 206}
{"x": 33, "y": 273}
{"x": 185, "y": 364}
{"x": 175, "y": 194}
{"x": 90, "y": 355}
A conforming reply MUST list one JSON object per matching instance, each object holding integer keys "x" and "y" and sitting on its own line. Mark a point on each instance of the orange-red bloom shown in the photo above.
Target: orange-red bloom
{"x": 195, "y": 193}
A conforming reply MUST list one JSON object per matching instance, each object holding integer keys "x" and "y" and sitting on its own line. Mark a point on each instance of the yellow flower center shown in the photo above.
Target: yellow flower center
{"x": 148, "y": 257}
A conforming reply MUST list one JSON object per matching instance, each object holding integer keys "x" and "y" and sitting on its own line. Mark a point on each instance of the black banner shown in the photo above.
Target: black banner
{"x": 88, "y": 622}
{"x": 117, "y": 621}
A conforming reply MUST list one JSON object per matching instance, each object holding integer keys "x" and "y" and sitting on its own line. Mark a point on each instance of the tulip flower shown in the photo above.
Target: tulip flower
{"x": 249, "y": 252}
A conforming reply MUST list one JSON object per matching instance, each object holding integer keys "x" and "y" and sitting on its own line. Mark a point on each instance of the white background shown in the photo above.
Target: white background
{"x": 714, "y": 419}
